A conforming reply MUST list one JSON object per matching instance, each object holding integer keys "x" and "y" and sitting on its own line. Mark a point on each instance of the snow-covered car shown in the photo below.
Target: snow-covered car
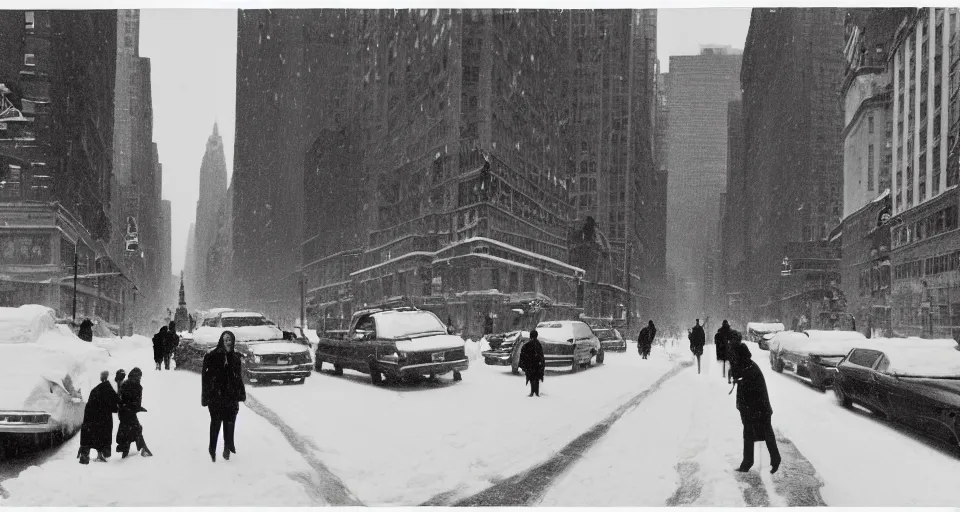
{"x": 267, "y": 355}
{"x": 611, "y": 340}
{"x": 758, "y": 331}
{"x": 396, "y": 343}
{"x": 566, "y": 343}
{"x": 813, "y": 354}
{"x": 502, "y": 349}
{"x": 914, "y": 384}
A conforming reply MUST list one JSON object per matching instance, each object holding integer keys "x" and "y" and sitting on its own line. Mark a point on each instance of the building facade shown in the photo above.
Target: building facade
{"x": 213, "y": 193}
{"x": 732, "y": 266}
{"x": 700, "y": 86}
{"x": 926, "y": 172}
{"x": 794, "y": 170}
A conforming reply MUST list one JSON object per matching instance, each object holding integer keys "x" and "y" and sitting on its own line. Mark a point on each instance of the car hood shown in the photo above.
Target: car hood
{"x": 285, "y": 347}
{"x": 208, "y": 335}
{"x": 437, "y": 342}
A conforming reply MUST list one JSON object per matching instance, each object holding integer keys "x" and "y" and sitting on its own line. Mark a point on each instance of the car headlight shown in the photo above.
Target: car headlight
{"x": 257, "y": 359}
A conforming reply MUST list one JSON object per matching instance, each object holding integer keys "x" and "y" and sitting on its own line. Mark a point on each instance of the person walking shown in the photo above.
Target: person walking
{"x": 645, "y": 339}
{"x": 222, "y": 390}
{"x": 733, "y": 342}
{"x": 159, "y": 346}
{"x": 697, "y": 340}
{"x": 170, "y": 343}
{"x": 130, "y": 429}
{"x": 97, "y": 429}
{"x": 533, "y": 363}
{"x": 86, "y": 330}
{"x": 756, "y": 413}
{"x": 121, "y": 375}
{"x": 721, "y": 340}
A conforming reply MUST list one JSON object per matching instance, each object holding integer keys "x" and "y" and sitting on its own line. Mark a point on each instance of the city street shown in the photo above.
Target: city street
{"x": 628, "y": 432}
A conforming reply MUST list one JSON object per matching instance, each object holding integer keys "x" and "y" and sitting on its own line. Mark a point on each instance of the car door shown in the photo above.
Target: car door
{"x": 859, "y": 382}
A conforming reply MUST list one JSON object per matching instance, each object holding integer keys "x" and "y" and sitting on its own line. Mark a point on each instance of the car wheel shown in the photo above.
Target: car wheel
{"x": 816, "y": 383}
{"x": 337, "y": 369}
{"x": 375, "y": 376}
{"x": 777, "y": 364}
{"x": 457, "y": 377}
{"x": 842, "y": 398}
{"x": 319, "y": 365}
{"x": 576, "y": 365}
{"x": 600, "y": 357}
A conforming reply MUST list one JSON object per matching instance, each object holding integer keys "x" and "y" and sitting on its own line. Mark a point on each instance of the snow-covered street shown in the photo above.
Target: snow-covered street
{"x": 628, "y": 432}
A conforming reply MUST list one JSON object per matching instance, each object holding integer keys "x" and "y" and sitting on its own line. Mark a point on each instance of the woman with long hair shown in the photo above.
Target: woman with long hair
{"x": 222, "y": 391}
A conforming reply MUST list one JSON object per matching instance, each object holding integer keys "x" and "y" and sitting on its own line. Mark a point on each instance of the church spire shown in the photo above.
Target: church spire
{"x": 215, "y": 128}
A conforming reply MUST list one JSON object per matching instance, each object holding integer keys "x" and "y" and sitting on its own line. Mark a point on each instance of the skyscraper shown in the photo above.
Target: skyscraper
{"x": 699, "y": 89}
{"x": 213, "y": 192}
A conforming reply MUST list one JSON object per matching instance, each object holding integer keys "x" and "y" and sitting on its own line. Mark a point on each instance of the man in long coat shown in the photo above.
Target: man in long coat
{"x": 97, "y": 430}
{"x": 753, "y": 402}
{"x": 159, "y": 346}
{"x": 533, "y": 363}
{"x": 645, "y": 339}
{"x": 221, "y": 392}
{"x": 170, "y": 343}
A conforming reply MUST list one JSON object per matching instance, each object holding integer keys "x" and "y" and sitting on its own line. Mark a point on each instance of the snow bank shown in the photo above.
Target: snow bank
{"x": 824, "y": 343}
{"x": 764, "y": 327}
{"x": 312, "y": 335}
{"x": 25, "y": 324}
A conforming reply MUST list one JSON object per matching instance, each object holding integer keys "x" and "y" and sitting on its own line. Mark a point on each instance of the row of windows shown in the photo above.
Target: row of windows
{"x": 928, "y": 267}
{"x": 936, "y": 223}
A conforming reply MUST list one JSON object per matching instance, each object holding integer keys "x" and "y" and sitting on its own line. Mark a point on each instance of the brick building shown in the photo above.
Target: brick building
{"x": 793, "y": 121}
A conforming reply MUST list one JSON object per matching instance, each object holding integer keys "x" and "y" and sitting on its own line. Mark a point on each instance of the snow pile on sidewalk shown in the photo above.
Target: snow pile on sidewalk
{"x": 25, "y": 324}
{"x": 266, "y": 471}
{"x": 474, "y": 349}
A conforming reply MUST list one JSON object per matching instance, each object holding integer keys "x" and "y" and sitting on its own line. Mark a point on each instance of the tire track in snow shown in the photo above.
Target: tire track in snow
{"x": 323, "y": 483}
{"x": 690, "y": 486}
{"x": 798, "y": 480}
{"x": 529, "y": 487}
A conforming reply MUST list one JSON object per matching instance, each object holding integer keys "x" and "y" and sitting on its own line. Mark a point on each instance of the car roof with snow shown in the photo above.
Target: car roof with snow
{"x": 563, "y": 330}
{"x": 929, "y": 361}
{"x": 240, "y": 314}
{"x": 765, "y": 327}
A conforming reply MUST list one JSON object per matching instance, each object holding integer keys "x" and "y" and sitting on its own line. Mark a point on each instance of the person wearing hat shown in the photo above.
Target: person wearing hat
{"x": 533, "y": 363}
{"x": 753, "y": 402}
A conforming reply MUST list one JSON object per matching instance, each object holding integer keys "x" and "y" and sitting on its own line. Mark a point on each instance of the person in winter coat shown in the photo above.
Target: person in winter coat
{"x": 645, "y": 339}
{"x": 753, "y": 402}
{"x": 159, "y": 346}
{"x": 735, "y": 340}
{"x": 697, "y": 340}
{"x": 533, "y": 363}
{"x": 130, "y": 430}
{"x": 86, "y": 330}
{"x": 222, "y": 390}
{"x": 721, "y": 340}
{"x": 170, "y": 343}
{"x": 121, "y": 374}
{"x": 97, "y": 429}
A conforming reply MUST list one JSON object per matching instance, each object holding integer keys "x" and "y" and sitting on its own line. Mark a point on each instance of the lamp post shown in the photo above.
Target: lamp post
{"x": 75, "y": 264}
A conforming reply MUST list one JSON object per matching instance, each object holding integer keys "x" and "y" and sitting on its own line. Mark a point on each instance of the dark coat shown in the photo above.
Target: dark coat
{"x": 753, "y": 402}
{"x": 532, "y": 361}
{"x": 159, "y": 346}
{"x": 97, "y": 429}
{"x": 222, "y": 379}
{"x": 131, "y": 398}
{"x": 697, "y": 339}
{"x": 86, "y": 330}
{"x": 646, "y": 337}
{"x": 722, "y": 341}
{"x": 170, "y": 342}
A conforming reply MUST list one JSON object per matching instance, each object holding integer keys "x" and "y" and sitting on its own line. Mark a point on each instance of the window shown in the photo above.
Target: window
{"x": 870, "y": 161}
{"x": 29, "y": 20}
{"x": 864, "y": 358}
{"x": 29, "y": 59}
{"x": 870, "y": 124}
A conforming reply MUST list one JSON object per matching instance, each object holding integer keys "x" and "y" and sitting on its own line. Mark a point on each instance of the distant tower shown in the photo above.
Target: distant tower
{"x": 182, "y": 318}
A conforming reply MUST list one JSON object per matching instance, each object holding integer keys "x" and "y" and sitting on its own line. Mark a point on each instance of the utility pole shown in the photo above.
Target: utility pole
{"x": 75, "y": 264}
{"x": 303, "y": 298}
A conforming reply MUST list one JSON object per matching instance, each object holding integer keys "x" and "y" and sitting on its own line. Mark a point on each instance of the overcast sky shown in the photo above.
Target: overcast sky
{"x": 193, "y": 55}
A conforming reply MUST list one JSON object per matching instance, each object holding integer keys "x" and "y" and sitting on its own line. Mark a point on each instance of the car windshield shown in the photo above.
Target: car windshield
{"x": 395, "y": 325}
{"x": 243, "y": 321}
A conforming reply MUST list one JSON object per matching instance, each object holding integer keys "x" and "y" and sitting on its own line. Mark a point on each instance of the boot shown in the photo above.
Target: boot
{"x": 213, "y": 455}
{"x": 100, "y": 457}
{"x": 233, "y": 450}
{"x": 145, "y": 452}
{"x": 744, "y": 467}
{"x": 226, "y": 454}
{"x": 774, "y": 465}
{"x": 84, "y": 458}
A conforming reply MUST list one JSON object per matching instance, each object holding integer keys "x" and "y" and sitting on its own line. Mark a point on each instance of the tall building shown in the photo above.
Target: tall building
{"x": 275, "y": 126}
{"x": 926, "y": 172}
{"x": 700, "y": 87}
{"x": 213, "y": 192}
{"x": 57, "y": 71}
{"x": 732, "y": 265}
{"x": 128, "y": 51}
{"x": 166, "y": 263}
{"x": 189, "y": 262}
{"x": 793, "y": 121}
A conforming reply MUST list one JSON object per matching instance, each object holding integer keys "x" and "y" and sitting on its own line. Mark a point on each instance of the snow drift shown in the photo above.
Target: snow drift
{"x": 26, "y": 323}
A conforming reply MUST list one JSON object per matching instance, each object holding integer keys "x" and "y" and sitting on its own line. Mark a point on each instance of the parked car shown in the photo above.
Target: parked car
{"x": 757, "y": 332}
{"x": 503, "y": 349}
{"x": 566, "y": 343}
{"x": 41, "y": 403}
{"x": 611, "y": 340}
{"x": 812, "y": 354}
{"x": 397, "y": 343}
{"x": 267, "y": 353}
{"x": 918, "y": 385}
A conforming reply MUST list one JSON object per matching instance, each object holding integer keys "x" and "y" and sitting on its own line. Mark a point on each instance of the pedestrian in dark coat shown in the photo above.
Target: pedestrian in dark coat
{"x": 97, "y": 430}
{"x": 721, "y": 340}
{"x": 159, "y": 346}
{"x": 170, "y": 343}
{"x": 130, "y": 429}
{"x": 697, "y": 340}
{"x": 533, "y": 363}
{"x": 735, "y": 340}
{"x": 222, "y": 390}
{"x": 753, "y": 402}
{"x": 86, "y": 330}
{"x": 645, "y": 339}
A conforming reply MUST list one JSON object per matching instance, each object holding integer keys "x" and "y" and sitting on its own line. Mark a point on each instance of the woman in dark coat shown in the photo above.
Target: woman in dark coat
{"x": 97, "y": 429}
{"x": 159, "y": 346}
{"x": 130, "y": 430}
{"x": 645, "y": 339}
{"x": 755, "y": 410}
{"x": 533, "y": 363}
{"x": 222, "y": 391}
